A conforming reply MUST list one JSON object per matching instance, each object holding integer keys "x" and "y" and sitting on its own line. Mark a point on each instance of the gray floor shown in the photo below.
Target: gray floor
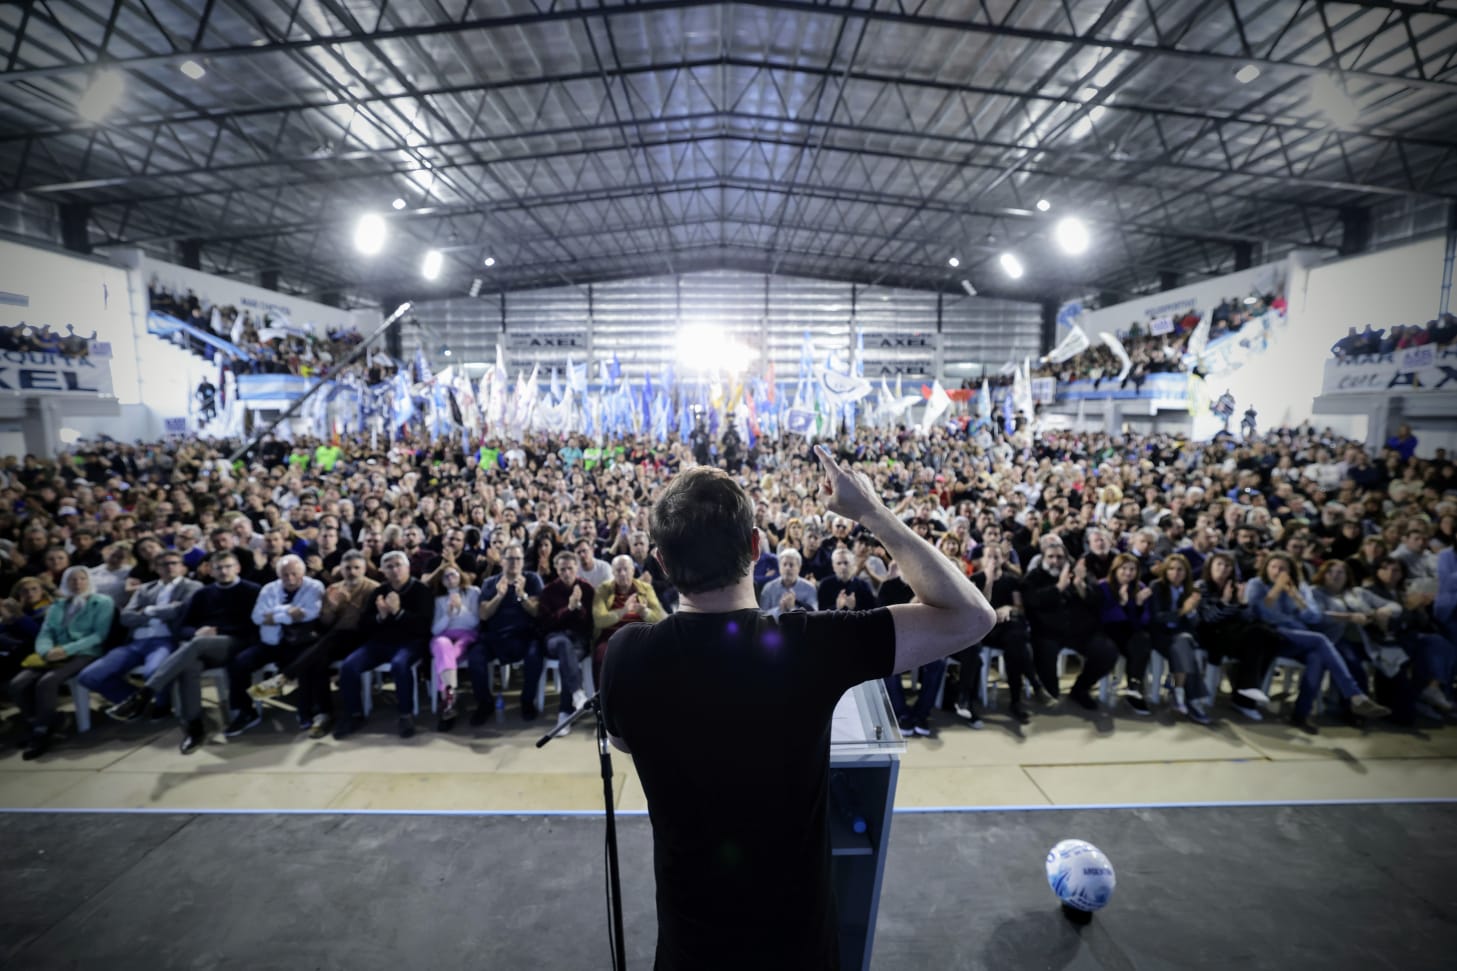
{"x": 1328, "y": 887}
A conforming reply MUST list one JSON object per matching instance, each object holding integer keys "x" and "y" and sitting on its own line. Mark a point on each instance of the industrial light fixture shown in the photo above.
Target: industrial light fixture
{"x": 369, "y": 233}
{"x": 430, "y": 267}
{"x": 1072, "y": 235}
{"x": 1247, "y": 74}
{"x": 953, "y": 262}
{"x": 398, "y": 204}
{"x": 490, "y": 261}
{"x": 192, "y": 69}
{"x": 1250, "y": 301}
{"x": 101, "y": 95}
{"x": 1043, "y": 205}
{"x": 475, "y": 287}
{"x": 1011, "y": 265}
{"x": 970, "y": 290}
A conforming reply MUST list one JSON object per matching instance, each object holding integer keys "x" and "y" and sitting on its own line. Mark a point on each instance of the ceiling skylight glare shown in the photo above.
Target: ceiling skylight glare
{"x": 1011, "y": 265}
{"x": 430, "y": 267}
{"x": 101, "y": 95}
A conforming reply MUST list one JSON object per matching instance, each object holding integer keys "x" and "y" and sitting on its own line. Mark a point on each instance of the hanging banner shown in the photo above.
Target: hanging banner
{"x": 1419, "y": 369}
{"x": 39, "y": 372}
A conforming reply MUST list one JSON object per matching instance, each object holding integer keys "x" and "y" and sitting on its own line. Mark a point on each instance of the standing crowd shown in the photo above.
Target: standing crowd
{"x": 130, "y": 571}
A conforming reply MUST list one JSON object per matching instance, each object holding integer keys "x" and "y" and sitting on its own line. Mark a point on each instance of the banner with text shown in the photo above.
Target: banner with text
{"x": 1418, "y": 369}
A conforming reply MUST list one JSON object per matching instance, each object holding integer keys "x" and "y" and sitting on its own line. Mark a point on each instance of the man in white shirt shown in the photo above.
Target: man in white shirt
{"x": 286, "y": 613}
{"x": 589, "y": 568}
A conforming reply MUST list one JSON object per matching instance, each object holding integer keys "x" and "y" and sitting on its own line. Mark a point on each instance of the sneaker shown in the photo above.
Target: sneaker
{"x": 132, "y": 708}
{"x": 347, "y": 726}
{"x": 1179, "y": 706}
{"x": 271, "y": 688}
{"x": 1432, "y": 695}
{"x": 1197, "y": 714}
{"x": 579, "y": 699}
{"x": 1367, "y": 707}
{"x": 246, "y": 719}
{"x": 1247, "y": 706}
{"x": 1136, "y": 702}
{"x": 561, "y": 719}
{"x": 963, "y": 711}
{"x": 407, "y": 726}
{"x": 39, "y": 744}
{"x": 1042, "y": 697}
{"x": 922, "y": 729}
{"x": 1019, "y": 714}
{"x": 1254, "y": 694}
{"x": 192, "y": 737}
{"x": 320, "y": 726}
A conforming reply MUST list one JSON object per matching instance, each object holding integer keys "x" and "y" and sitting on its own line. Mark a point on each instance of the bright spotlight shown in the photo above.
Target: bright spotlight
{"x": 704, "y": 347}
{"x": 103, "y": 94}
{"x": 430, "y": 268}
{"x": 1247, "y": 74}
{"x": 1072, "y": 235}
{"x": 490, "y": 261}
{"x": 192, "y": 69}
{"x": 1250, "y": 301}
{"x": 369, "y": 233}
{"x": 398, "y": 204}
{"x": 1331, "y": 99}
{"x": 1011, "y": 265}
{"x": 953, "y": 262}
{"x": 1043, "y": 205}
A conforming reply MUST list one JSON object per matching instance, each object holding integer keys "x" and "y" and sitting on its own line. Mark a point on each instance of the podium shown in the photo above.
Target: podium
{"x": 865, "y": 752}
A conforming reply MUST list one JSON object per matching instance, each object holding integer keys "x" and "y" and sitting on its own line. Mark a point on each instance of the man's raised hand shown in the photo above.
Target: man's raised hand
{"x": 848, "y": 494}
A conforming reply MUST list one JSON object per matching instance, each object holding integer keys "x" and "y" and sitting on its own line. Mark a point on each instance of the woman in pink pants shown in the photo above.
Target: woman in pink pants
{"x": 457, "y": 618}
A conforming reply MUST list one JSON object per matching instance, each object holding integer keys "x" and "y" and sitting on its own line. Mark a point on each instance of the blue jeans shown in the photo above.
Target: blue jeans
{"x": 929, "y": 676}
{"x": 1318, "y": 655}
{"x": 1433, "y": 658}
{"x": 369, "y": 656}
{"x": 509, "y": 649}
{"x": 568, "y": 650}
{"x": 107, "y": 676}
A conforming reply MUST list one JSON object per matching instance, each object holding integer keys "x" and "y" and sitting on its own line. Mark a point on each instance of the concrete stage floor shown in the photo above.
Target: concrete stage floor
{"x": 1294, "y": 887}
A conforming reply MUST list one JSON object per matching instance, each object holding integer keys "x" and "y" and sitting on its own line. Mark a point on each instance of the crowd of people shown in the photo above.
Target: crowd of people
{"x": 1155, "y": 353}
{"x": 28, "y": 339}
{"x": 267, "y": 347}
{"x": 131, "y": 569}
{"x": 1440, "y": 333}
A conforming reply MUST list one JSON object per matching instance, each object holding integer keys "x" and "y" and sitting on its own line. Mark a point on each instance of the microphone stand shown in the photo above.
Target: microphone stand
{"x": 614, "y": 880}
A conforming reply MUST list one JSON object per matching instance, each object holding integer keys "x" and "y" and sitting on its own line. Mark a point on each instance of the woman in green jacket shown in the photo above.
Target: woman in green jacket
{"x": 71, "y": 637}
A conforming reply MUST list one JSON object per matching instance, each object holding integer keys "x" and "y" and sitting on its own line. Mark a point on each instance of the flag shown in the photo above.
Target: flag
{"x": 1009, "y": 415}
{"x": 556, "y": 387}
{"x": 1120, "y": 352}
{"x": 984, "y": 401}
{"x": 936, "y": 405}
{"x": 614, "y": 370}
{"x": 1070, "y": 346}
{"x": 1022, "y": 392}
{"x": 576, "y": 377}
{"x": 801, "y": 421}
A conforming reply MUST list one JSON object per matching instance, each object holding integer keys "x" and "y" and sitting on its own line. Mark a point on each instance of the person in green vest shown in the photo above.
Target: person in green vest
{"x": 591, "y": 458}
{"x": 489, "y": 458}
{"x": 298, "y": 459}
{"x": 326, "y": 456}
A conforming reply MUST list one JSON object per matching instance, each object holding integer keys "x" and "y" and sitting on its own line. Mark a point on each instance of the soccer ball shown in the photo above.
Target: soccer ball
{"x": 1080, "y": 875}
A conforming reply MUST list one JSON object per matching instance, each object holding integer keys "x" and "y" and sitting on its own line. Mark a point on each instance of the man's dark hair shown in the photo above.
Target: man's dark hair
{"x": 703, "y": 526}
{"x": 222, "y": 555}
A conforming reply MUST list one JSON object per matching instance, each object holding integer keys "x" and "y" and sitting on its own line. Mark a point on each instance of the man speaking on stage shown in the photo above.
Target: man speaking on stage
{"x": 726, "y": 713}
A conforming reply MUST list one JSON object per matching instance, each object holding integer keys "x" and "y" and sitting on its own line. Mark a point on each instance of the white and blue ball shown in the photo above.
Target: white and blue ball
{"x": 1080, "y": 875}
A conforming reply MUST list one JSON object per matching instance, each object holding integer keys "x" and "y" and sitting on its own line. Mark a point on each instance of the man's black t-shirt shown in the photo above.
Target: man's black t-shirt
{"x": 728, "y": 719}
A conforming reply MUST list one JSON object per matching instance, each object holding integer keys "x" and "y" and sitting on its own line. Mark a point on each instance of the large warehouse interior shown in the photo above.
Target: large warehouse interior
{"x": 1071, "y": 385}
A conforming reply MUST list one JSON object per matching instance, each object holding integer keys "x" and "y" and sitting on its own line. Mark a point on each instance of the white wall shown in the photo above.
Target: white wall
{"x": 1395, "y": 286}
{"x": 45, "y": 287}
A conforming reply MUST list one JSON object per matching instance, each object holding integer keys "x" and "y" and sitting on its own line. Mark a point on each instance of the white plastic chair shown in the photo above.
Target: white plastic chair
{"x": 375, "y": 678}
